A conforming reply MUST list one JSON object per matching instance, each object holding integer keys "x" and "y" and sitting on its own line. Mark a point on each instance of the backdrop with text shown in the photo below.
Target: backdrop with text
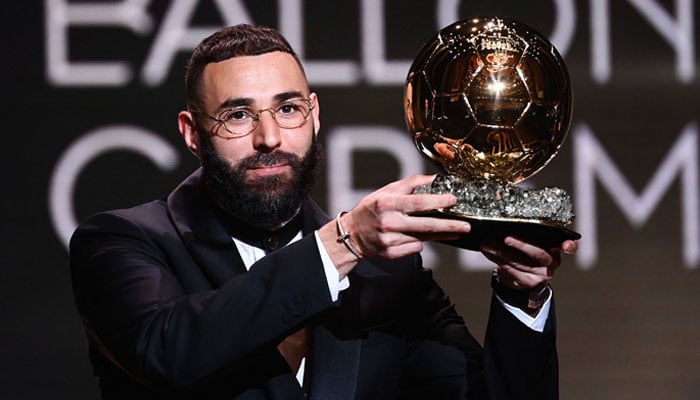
{"x": 94, "y": 91}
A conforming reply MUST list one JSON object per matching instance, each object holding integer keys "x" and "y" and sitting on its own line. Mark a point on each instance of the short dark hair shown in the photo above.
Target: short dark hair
{"x": 233, "y": 41}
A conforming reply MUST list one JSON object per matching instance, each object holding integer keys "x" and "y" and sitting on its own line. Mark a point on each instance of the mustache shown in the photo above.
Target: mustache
{"x": 252, "y": 200}
{"x": 267, "y": 159}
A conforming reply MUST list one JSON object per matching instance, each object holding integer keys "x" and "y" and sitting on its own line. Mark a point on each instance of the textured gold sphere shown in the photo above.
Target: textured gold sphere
{"x": 488, "y": 98}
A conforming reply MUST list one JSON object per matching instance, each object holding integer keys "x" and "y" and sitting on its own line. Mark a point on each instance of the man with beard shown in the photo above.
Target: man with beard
{"x": 238, "y": 286}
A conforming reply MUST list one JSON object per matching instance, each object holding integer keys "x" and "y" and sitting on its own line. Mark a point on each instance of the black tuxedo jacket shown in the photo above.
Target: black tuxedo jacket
{"x": 171, "y": 312}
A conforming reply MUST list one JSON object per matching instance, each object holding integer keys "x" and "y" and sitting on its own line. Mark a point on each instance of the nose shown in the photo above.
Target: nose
{"x": 266, "y": 136}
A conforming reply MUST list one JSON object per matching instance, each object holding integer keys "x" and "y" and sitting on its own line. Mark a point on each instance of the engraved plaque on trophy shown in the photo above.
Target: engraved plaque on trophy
{"x": 489, "y": 102}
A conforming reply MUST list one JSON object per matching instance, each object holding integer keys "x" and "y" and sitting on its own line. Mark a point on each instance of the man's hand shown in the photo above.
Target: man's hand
{"x": 381, "y": 224}
{"x": 522, "y": 265}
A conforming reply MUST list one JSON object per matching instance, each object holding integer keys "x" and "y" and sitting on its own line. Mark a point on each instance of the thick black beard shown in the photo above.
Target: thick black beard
{"x": 265, "y": 202}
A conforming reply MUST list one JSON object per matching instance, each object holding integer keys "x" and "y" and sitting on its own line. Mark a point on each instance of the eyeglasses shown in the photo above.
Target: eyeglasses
{"x": 241, "y": 121}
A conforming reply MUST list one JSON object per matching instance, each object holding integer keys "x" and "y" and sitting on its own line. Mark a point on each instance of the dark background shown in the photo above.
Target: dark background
{"x": 627, "y": 315}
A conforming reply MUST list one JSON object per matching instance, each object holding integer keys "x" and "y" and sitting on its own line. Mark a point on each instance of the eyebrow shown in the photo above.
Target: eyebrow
{"x": 247, "y": 101}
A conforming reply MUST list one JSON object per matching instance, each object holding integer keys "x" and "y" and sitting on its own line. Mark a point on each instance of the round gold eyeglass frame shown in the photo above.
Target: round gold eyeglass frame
{"x": 221, "y": 122}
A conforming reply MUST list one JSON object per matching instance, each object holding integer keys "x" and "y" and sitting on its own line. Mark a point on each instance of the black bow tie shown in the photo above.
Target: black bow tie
{"x": 268, "y": 240}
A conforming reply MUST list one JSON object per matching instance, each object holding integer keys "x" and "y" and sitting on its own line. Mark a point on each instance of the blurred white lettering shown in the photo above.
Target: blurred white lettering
{"x": 88, "y": 147}
{"x": 678, "y": 34}
{"x": 591, "y": 162}
{"x": 60, "y": 15}
{"x": 344, "y": 140}
{"x": 175, "y": 35}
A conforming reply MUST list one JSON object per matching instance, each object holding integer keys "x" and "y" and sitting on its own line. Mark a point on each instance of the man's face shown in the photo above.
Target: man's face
{"x": 259, "y": 82}
{"x": 271, "y": 166}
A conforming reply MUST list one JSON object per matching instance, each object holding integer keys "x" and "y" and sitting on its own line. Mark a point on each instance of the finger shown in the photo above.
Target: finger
{"x": 539, "y": 255}
{"x": 430, "y": 225}
{"x": 517, "y": 279}
{"x": 503, "y": 255}
{"x": 406, "y": 185}
{"x": 389, "y": 245}
{"x": 569, "y": 246}
{"x": 508, "y": 279}
{"x": 402, "y": 250}
{"x": 415, "y": 203}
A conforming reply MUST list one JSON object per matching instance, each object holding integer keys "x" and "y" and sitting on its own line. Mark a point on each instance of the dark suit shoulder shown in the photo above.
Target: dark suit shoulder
{"x": 151, "y": 214}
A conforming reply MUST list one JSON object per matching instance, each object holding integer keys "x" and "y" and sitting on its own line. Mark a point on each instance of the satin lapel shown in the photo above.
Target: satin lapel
{"x": 335, "y": 365}
{"x": 219, "y": 262}
{"x": 314, "y": 217}
{"x": 334, "y": 361}
{"x": 206, "y": 238}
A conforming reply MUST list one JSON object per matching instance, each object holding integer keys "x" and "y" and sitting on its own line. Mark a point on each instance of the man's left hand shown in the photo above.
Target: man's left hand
{"x": 522, "y": 265}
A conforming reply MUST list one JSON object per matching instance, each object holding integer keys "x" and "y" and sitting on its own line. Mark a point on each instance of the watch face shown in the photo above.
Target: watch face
{"x": 538, "y": 297}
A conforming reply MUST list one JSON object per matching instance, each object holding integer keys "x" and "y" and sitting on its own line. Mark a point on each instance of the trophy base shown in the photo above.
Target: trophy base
{"x": 540, "y": 233}
{"x": 496, "y": 210}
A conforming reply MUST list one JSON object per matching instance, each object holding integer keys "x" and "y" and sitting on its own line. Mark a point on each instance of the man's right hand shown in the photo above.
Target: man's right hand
{"x": 381, "y": 224}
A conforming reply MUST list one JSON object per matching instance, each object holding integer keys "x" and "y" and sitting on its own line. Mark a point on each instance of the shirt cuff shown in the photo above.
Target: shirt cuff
{"x": 536, "y": 323}
{"x": 335, "y": 284}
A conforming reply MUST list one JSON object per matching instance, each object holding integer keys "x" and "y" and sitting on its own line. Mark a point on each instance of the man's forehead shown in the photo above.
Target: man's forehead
{"x": 263, "y": 77}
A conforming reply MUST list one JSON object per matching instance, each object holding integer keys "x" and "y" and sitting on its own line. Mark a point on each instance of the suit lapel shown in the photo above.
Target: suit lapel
{"x": 194, "y": 216}
{"x": 334, "y": 361}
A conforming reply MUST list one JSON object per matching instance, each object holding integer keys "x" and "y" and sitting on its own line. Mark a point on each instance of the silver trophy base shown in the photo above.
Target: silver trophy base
{"x": 497, "y": 210}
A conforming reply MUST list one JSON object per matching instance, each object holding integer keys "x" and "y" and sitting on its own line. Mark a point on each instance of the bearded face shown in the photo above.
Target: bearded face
{"x": 261, "y": 201}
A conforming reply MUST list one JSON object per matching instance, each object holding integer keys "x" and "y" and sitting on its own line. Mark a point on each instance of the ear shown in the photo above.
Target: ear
{"x": 315, "y": 113}
{"x": 189, "y": 132}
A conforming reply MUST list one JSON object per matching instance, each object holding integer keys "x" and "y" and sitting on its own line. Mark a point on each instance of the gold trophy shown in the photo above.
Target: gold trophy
{"x": 489, "y": 102}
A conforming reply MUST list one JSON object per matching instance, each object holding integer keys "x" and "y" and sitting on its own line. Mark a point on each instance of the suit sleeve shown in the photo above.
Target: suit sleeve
{"x": 520, "y": 363}
{"x": 447, "y": 361}
{"x": 515, "y": 362}
{"x": 131, "y": 297}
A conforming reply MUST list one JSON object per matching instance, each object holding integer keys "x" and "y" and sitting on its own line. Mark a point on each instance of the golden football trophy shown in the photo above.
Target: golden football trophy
{"x": 489, "y": 102}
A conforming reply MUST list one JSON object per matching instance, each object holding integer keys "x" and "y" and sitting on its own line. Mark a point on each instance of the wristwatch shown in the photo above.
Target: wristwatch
{"x": 529, "y": 301}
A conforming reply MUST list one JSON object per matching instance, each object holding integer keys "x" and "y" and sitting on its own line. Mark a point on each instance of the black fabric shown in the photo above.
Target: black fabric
{"x": 166, "y": 293}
